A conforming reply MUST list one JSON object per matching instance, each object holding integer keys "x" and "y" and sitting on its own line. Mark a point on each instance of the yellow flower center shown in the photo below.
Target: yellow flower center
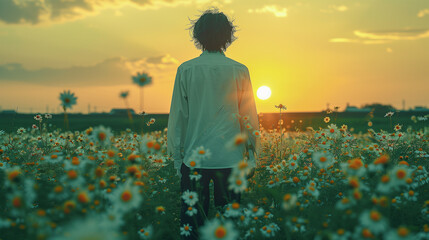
{"x": 102, "y": 136}
{"x": 239, "y": 140}
{"x": 83, "y": 198}
{"x": 401, "y": 173}
{"x": 126, "y": 196}
{"x": 375, "y": 215}
{"x": 220, "y": 232}
{"x": 402, "y": 231}
{"x": 16, "y": 202}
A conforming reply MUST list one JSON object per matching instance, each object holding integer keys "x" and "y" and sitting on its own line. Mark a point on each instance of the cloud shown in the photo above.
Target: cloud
{"x": 386, "y": 36}
{"x": 270, "y": 9}
{"x": 17, "y": 12}
{"x": 41, "y": 11}
{"x": 113, "y": 71}
{"x": 423, "y": 12}
{"x": 349, "y": 40}
{"x": 407, "y": 34}
{"x": 339, "y": 8}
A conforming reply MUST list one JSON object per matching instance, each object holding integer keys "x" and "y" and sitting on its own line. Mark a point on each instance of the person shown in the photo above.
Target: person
{"x": 212, "y": 104}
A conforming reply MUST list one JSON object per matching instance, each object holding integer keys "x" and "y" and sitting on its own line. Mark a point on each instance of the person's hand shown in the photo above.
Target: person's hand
{"x": 250, "y": 175}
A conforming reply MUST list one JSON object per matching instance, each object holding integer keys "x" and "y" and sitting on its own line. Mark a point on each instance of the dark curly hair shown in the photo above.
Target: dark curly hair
{"x": 212, "y": 31}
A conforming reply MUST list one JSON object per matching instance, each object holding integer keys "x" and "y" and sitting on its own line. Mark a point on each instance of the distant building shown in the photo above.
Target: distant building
{"x": 121, "y": 111}
{"x": 8, "y": 112}
{"x": 356, "y": 109}
{"x": 420, "y": 109}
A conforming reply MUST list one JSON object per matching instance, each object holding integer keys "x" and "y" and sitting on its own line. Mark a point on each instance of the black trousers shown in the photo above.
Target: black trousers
{"x": 222, "y": 195}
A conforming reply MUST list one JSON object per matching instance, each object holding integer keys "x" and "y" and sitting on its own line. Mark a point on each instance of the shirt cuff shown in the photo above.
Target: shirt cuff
{"x": 177, "y": 157}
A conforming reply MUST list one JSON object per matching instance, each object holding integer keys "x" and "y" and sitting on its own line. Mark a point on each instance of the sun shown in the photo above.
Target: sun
{"x": 263, "y": 92}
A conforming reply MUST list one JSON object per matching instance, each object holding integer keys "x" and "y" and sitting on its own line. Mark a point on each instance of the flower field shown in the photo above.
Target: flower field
{"x": 315, "y": 184}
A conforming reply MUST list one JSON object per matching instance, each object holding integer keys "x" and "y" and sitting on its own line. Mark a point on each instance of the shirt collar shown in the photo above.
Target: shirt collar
{"x": 205, "y": 52}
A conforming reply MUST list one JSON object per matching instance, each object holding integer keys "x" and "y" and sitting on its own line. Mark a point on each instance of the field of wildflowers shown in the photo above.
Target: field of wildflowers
{"x": 314, "y": 184}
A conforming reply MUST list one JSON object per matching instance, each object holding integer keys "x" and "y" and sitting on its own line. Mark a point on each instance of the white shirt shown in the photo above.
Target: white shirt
{"x": 208, "y": 91}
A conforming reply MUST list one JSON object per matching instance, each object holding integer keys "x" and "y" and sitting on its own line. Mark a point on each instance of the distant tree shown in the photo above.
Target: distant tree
{"x": 379, "y": 109}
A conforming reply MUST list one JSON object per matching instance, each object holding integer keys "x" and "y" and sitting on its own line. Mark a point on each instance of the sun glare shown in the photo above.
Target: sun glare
{"x": 263, "y": 92}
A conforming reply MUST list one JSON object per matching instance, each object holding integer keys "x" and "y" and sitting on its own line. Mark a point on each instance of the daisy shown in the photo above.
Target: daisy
{"x": 202, "y": 153}
{"x": 249, "y": 233}
{"x": 214, "y": 229}
{"x": 389, "y": 114}
{"x": 237, "y": 183}
{"x": 345, "y": 203}
{"x": 398, "y": 127}
{"x": 322, "y": 159}
{"x": 327, "y": 119}
{"x": 67, "y": 99}
{"x": 194, "y": 161}
{"x": 399, "y": 174}
{"x": 253, "y": 211}
{"x": 232, "y": 210}
{"x": 280, "y": 106}
{"x": 48, "y": 116}
{"x": 185, "y": 230}
{"x": 126, "y": 196}
{"x": 190, "y": 197}
{"x": 191, "y": 211}
{"x": 256, "y": 133}
{"x": 195, "y": 176}
{"x": 147, "y": 144}
{"x": 374, "y": 221}
{"x": 142, "y": 79}
{"x": 124, "y": 94}
{"x": 101, "y": 135}
{"x": 292, "y": 164}
{"x": 269, "y": 230}
{"x": 312, "y": 189}
{"x": 160, "y": 209}
{"x": 238, "y": 140}
{"x": 248, "y": 126}
{"x": 242, "y": 168}
{"x": 146, "y": 233}
{"x": 21, "y": 130}
{"x": 38, "y": 117}
{"x": 245, "y": 118}
{"x": 402, "y": 233}
{"x": 333, "y": 131}
{"x": 385, "y": 185}
{"x": 341, "y": 234}
{"x": 411, "y": 195}
{"x": 289, "y": 201}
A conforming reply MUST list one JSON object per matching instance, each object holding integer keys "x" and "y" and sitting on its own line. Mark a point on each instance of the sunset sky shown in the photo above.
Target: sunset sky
{"x": 309, "y": 52}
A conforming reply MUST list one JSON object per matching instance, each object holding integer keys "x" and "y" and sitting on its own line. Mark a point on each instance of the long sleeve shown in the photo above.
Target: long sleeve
{"x": 247, "y": 107}
{"x": 177, "y": 120}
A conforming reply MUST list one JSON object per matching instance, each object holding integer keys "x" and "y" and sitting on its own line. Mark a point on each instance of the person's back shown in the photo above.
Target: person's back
{"x": 214, "y": 86}
{"x": 212, "y": 116}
